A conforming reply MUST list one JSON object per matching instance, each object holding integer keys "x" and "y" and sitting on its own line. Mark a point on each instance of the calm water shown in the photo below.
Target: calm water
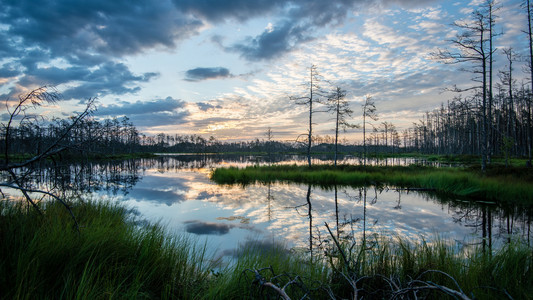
{"x": 177, "y": 192}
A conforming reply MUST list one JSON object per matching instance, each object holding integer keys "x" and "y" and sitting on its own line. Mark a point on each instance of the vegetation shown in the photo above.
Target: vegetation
{"x": 514, "y": 185}
{"x": 113, "y": 256}
{"x": 64, "y": 249}
{"x": 43, "y": 257}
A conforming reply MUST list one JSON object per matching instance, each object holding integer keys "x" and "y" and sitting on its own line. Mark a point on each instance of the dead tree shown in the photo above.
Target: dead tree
{"x": 338, "y": 105}
{"x": 18, "y": 112}
{"x": 530, "y": 39}
{"x": 471, "y": 48}
{"x": 369, "y": 111}
{"x": 311, "y": 99}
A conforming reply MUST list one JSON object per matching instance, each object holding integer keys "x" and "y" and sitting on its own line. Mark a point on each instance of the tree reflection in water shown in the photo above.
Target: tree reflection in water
{"x": 176, "y": 190}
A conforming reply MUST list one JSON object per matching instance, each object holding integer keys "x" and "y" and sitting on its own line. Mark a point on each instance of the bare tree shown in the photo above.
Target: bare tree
{"x": 530, "y": 38}
{"x": 369, "y": 111}
{"x": 269, "y": 137}
{"x": 338, "y": 105}
{"x": 507, "y": 81}
{"x": 312, "y": 98}
{"x": 471, "y": 47}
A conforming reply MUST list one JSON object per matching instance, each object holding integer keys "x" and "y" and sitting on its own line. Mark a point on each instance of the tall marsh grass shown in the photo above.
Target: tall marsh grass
{"x": 44, "y": 257}
{"x": 513, "y": 187}
{"x": 383, "y": 268}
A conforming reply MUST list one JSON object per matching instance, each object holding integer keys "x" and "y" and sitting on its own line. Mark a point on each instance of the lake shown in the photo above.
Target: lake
{"x": 175, "y": 190}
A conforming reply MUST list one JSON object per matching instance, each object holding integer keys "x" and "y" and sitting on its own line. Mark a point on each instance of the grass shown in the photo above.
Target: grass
{"x": 43, "y": 257}
{"x": 511, "y": 185}
{"x": 385, "y": 267}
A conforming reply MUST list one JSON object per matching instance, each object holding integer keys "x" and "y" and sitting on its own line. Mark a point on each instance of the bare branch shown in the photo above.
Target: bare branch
{"x": 25, "y": 191}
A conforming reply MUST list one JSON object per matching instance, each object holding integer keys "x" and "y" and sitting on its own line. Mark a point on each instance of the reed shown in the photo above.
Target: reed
{"x": 43, "y": 257}
{"x": 512, "y": 186}
{"x": 385, "y": 267}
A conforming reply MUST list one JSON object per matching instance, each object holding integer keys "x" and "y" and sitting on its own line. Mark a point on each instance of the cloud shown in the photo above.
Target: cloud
{"x": 272, "y": 43}
{"x": 148, "y": 113}
{"x": 159, "y": 119}
{"x": 203, "y": 106}
{"x": 91, "y": 37}
{"x": 107, "y": 78}
{"x": 219, "y": 11}
{"x": 116, "y": 27}
{"x": 7, "y": 71}
{"x": 141, "y": 107}
{"x": 300, "y": 20}
{"x": 199, "y": 74}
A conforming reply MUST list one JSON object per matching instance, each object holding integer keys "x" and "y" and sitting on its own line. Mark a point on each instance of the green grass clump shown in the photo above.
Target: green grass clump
{"x": 388, "y": 268}
{"x": 512, "y": 185}
{"x": 43, "y": 257}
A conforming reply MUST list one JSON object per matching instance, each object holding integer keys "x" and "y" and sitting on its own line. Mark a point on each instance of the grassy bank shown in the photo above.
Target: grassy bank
{"x": 513, "y": 185}
{"x": 43, "y": 257}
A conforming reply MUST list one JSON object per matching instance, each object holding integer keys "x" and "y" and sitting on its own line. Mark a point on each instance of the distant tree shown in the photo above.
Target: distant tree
{"x": 310, "y": 99}
{"x": 338, "y": 105}
{"x": 507, "y": 81}
{"x": 269, "y": 137}
{"x": 369, "y": 111}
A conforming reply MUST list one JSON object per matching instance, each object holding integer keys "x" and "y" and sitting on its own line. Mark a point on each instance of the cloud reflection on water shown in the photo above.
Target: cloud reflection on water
{"x": 200, "y": 227}
{"x": 280, "y": 213}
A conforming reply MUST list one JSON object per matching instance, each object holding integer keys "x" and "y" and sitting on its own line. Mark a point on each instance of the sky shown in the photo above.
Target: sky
{"x": 228, "y": 68}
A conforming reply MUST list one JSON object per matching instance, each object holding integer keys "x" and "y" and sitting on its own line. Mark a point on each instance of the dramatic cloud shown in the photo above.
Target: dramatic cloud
{"x": 108, "y": 78}
{"x": 8, "y": 71}
{"x": 113, "y": 27}
{"x": 301, "y": 20}
{"x": 131, "y": 50}
{"x": 220, "y": 11}
{"x": 90, "y": 37}
{"x": 199, "y": 74}
{"x": 141, "y": 107}
{"x": 86, "y": 38}
{"x": 273, "y": 42}
{"x": 148, "y": 113}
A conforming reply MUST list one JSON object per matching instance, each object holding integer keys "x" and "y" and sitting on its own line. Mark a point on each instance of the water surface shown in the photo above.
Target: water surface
{"x": 177, "y": 192}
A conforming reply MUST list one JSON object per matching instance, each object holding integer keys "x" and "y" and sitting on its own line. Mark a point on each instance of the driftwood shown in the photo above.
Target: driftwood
{"x": 262, "y": 282}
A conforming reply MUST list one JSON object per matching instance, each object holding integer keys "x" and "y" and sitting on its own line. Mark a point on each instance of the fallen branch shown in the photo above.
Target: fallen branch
{"x": 262, "y": 282}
